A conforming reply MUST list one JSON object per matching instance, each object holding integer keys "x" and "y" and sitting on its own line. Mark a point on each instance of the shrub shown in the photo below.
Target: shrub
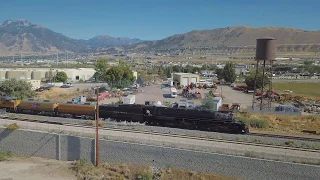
{"x": 257, "y": 123}
{"x": 93, "y": 123}
{"x": 244, "y": 120}
{"x": 167, "y": 103}
{"x": 289, "y": 143}
{"x": 13, "y": 126}
{"x": 4, "y": 156}
{"x": 117, "y": 103}
{"x": 145, "y": 175}
{"x": 250, "y": 154}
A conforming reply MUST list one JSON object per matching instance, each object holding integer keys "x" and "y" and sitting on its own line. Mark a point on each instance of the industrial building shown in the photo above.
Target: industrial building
{"x": 185, "y": 79}
{"x": 43, "y": 74}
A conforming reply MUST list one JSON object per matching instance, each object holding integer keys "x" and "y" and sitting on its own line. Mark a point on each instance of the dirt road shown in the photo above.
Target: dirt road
{"x": 35, "y": 169}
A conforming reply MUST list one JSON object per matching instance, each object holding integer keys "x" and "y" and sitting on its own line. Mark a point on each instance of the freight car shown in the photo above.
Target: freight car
{"x": 9, "y": 103}
{"x": 32, "y": 106}
{"x": 72, "y": 109}
{"x": 50, "y": 108}
{"x": 187, "y": 118}
{"x": 174, "y": 117}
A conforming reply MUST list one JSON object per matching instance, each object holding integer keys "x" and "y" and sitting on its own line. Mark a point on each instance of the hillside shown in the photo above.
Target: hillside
{"x": 19, "y": 36}
{"x": 23, "y": 36}
{"x": 235, "y": 37}
{"x": 106, "y": 40}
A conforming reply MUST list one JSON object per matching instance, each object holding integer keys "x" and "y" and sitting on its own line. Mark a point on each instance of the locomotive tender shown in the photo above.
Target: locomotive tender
{"x": 186, "y": 118}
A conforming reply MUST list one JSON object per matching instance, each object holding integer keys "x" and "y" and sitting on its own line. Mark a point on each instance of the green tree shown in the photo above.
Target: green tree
{"x": 310, "y": 67}
{"x": 249, "y": 80}
{"x": 177, "y": 68}
{"x": 168, "y": 71}
{"x": 120, "y": 76}
{"x": 207, "y": 102}
{"x": 16, "y": 88}
{"x": 220, "y": 73}
{"x": 101, "y": 67}
{"x": 308, "y": 63}
{"x": 61, "y": 77}
{"x": 143, "y": 77}
{"x": 229, "y": 72}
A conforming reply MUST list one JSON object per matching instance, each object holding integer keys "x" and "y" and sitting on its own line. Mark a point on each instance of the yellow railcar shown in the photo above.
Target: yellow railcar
{"x": 38, "y": 106}
{"x": 9, "y": 103}
{"x": 77, "y": 109}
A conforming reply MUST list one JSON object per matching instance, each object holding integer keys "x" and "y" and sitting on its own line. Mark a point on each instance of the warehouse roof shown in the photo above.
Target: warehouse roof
{"x": 184, "y": 74}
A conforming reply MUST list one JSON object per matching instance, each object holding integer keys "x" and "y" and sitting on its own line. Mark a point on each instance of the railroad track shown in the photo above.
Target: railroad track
{"x": 185, "y": 136}
{"x": 285, "y": 137}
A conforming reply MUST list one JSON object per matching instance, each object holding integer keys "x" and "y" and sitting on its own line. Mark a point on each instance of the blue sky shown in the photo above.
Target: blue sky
{"x": 157, "y": 19}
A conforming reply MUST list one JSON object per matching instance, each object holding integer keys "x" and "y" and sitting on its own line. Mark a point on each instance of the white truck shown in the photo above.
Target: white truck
{"x": 174, "y": 92}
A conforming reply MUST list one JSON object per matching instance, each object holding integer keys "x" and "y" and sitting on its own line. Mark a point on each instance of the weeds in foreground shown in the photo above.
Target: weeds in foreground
{"x": 145, "y": 175}
{"x": 86, "y": 170}
{"x": 255, "y": 123}
{"x": 93, "y": 123}
{"x": 13, "y": 126}
{"x": 281, "y": 123}
{"x": 5, "y": 156}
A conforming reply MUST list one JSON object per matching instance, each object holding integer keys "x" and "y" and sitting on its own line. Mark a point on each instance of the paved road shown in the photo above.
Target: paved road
{"x": 182, "y": 143}
{"x": 243, "y": 168}
{"x": 235, "y": 166}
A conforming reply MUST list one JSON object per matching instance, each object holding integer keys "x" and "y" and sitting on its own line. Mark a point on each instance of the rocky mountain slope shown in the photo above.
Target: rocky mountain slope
{"x": 106, "y": 40}
{"x": 23, "y": 36}
{"x": 20, "y": 35}
{"x": 238, "y": 37}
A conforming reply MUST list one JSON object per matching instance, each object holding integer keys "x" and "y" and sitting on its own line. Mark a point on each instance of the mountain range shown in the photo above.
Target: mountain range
{"x": 23, "y": 36}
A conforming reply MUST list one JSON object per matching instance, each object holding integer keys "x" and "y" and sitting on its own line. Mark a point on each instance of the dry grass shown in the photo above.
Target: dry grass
{"x": 86, "y": 170}
{"x": 286, "y": 123}
{"x": 195, "y": 60}
{"x": 311, "y": 90}
{"x": 173, "y": 174}
{"x": 59, "y": 94}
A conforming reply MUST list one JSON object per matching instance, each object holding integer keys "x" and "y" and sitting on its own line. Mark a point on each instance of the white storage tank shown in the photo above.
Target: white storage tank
{"x": 131, "y": 99}
{"x": 38, "y": 74}
{"x": 217, "y": 103}
{"x": 18, "y": 74}
{"x": 3, "y": 74}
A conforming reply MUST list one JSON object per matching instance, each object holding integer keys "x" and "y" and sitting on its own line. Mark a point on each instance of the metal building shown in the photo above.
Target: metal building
{"x": 43, "y": 74}
{"x": 38, "y": 75}
{"x": 3, "y": 74}
{"x": 18, "y": 74}
{"x": 185, "y": 79}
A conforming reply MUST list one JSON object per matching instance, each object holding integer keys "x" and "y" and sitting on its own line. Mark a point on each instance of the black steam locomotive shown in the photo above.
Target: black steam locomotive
{"x": 186, "y": 118}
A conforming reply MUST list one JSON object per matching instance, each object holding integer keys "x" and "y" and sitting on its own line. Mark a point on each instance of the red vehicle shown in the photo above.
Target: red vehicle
{"x": 103, "y": 95}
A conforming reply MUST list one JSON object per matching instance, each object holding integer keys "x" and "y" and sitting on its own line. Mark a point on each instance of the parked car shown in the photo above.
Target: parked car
{"x": 65, "y": 86}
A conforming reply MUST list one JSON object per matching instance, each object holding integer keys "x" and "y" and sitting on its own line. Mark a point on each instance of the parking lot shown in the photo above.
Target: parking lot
{"x": 155, "y": 93}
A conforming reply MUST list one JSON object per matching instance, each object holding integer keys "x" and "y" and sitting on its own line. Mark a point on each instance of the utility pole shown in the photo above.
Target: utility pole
{"x": 221, "y": 90}
{"x": 57, "y": 59}
{"x": 97, "y": 129}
